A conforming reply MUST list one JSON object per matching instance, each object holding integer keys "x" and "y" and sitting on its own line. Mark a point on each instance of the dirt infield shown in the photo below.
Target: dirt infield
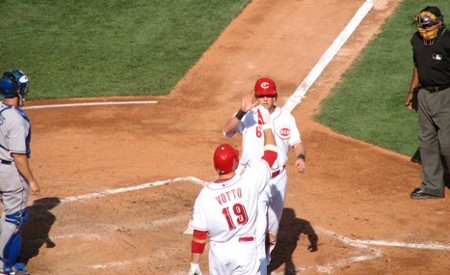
{"x": 119, "y": 181}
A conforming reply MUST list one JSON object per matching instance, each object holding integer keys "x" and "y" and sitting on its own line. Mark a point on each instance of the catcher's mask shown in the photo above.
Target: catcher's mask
{"x": 428, "y": 22}
{"x": 265, "y": 87}
{"x": 226, "y": 158}
{"x": 14, "y": 83}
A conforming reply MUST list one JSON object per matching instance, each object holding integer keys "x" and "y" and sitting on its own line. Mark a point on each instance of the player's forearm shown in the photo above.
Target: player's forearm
{"x": 233, "y": 123}
{"x": 197, "y": 247}
{"x": 269, "y": 138}
{"x": 198, "y": 244}
{"x": 195, "y": 258}
{"x": 22, "y": 164}
{"x": 230, "y": 127}
{"x": 300, "y": 149}
{"x": 270, "y": 148}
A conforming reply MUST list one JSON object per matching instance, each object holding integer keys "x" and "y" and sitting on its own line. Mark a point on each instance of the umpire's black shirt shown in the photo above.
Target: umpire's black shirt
{"x": 432, "y": 60}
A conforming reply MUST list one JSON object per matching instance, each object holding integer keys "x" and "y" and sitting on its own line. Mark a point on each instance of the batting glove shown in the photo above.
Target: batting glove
{"x": 195, "y": 269}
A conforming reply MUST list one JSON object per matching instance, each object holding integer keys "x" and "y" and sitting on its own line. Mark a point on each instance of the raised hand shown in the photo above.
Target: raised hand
{"x": 248, "y": 101}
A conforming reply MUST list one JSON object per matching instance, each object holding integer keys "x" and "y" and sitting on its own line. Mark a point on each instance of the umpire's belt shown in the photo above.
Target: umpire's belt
{"x": 7, "y": 162}
{"x": 278, "y": 171}
{"x": 435, "y": 89}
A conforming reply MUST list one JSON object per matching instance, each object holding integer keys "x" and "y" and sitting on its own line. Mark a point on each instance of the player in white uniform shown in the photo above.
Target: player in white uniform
{"x": 286, "y": 135}
{"x": 226, "y": 210}
{"x": 16, "y": 177}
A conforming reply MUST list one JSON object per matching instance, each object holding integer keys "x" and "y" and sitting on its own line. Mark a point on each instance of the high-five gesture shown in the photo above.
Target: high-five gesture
{"x": 248, "y": 101}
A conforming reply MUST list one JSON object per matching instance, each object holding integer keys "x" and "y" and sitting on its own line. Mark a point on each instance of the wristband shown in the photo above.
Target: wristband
{"x": 301, "y": 156}
{"x": 197, "y": 247}
{"x": 240, "y": 114}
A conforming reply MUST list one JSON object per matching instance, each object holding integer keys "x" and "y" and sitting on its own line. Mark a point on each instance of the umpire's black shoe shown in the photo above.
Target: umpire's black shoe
{"x": 419, "y": 194}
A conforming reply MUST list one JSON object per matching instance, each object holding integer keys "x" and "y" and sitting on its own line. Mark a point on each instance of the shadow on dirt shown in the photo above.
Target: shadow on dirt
{"x": 291, "y": 228}
{"x": 35, "y": 231}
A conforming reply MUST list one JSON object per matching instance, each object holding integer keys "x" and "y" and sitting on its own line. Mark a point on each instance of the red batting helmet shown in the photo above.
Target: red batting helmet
{"x": 226, "y": 158}
{"x": 265, "y": 87}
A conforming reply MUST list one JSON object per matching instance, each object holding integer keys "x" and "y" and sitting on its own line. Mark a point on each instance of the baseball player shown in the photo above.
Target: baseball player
{"x": 226, "y": 209}
{"x": 287, "y": 135}
{"x": 16, "y": 177}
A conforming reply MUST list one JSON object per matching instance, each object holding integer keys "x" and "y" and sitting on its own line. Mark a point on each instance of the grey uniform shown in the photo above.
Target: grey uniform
{"x": 433, "y": 64}
{"x": 14, "y": 138}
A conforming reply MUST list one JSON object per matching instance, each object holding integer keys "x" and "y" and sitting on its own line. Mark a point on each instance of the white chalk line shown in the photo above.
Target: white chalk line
{"x": 89, "y": 104}
{"x": 312, "y": 76}
{"x": 89, "y": 236}
{"x": 130, "y": 188}
{"x": 121, "y": 264}
{"x": 427, "y": 245}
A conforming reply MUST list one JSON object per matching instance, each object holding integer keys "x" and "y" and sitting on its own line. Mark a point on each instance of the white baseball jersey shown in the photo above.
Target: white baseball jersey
{"x": 271, "y": 200}
{"x": 228, "y": 211}
{"x": 284, "y": 129}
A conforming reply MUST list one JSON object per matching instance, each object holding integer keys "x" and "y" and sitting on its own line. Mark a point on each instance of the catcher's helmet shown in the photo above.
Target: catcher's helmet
{"x": 265, "y": 87}
{"x": 14, "y": 83}
{"x": 428, "y": 22}
{"x": 226, "y": 158}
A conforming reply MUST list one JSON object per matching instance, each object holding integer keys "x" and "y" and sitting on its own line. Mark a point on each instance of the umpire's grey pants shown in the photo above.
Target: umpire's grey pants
{"x": 434, "y": 135}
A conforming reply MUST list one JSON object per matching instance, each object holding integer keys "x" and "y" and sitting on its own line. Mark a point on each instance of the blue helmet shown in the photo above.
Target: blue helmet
{"x": 14, "y": 83}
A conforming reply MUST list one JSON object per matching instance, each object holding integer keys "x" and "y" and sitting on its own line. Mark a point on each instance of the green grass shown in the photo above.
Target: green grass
{"x": 108, "y": 47}
{"x": 119, "y": 47}
{"x": 369, "y": 102}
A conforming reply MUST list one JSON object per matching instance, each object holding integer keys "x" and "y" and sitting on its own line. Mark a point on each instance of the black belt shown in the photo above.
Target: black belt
{"x": 7, "y": 162}
{"x": 435, "y": 89}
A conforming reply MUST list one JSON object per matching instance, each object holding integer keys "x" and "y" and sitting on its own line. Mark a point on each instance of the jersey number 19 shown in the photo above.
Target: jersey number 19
{"x": 238, "y": 216}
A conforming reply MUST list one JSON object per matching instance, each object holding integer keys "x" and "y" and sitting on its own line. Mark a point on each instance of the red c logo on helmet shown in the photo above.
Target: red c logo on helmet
{"x": 265, "y": 86}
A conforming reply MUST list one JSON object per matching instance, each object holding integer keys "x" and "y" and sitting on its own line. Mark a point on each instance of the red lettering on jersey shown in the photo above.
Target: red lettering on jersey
{"x": 285, "y": 132}
{"x": 229, "y": 196}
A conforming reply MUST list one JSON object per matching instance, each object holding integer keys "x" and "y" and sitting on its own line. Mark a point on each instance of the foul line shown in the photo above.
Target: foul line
{"x": 131, "y": 188}
{"x": 90, "y": 104}
{"x": 429, "y": 245}
{"x": 96, "y": 235}
{"x": 312, "y": 76}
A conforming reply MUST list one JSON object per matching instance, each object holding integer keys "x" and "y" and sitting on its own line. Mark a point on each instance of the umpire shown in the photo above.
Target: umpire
{"x": 431, "y": 74}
